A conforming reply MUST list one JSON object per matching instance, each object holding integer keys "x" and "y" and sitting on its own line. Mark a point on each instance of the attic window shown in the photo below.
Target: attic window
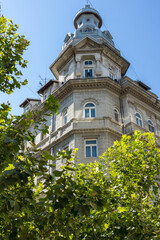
{"x": 88, "y": 19}
{"x": 88, "y": 62}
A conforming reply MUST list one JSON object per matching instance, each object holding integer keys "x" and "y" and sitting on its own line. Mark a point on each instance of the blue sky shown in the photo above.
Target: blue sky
{"x": 134, "y": 25}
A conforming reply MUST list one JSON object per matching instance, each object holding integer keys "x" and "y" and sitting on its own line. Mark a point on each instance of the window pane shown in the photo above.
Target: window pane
{"x": 86, "y": 113}
{"x": 86, "y": 62}
{"x": 65, "y": 119}
{"x": 137, "y": 115}
{"x": 90, "y": 62}
{"x": 89, "y": 105}
{"x": 140, "y": 123}
{"x": 90, "y": 72}
{"x": 137, "y": 121}
{"x": 92, "y": 112}
{"x": 94, "y": 151}
{"x": 91, "y": 142}
{"x": 88, "y": 152}
{"x": 151, "y": 128}
{"x": 86, "y": 73}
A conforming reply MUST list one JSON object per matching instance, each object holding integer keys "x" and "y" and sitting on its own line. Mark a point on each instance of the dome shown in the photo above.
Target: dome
{"x": 87, "y": 10}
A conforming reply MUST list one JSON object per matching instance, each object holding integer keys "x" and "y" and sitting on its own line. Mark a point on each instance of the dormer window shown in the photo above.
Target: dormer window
{"x": 88, "y": 19}
{"x": 88, "y": 62}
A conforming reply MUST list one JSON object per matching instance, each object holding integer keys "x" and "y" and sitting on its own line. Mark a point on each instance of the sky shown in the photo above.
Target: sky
{"x": 134, "y": 25}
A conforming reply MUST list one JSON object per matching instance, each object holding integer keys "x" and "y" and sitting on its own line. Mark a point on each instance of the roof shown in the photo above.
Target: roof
{"x": 87, "y": 10}
{"x": 23, "y": 104}
{"x": 143, "y": 85}
{"x": 43, "y": 88}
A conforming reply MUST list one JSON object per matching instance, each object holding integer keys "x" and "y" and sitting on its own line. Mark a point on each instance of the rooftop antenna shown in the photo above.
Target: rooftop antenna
{"x": 43, "y": 80}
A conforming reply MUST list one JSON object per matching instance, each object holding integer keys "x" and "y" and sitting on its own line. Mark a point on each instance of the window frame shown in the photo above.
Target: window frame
{"x": 89, "y": 71}
{"x": 65, "y": 116}
{"x": 139, "y": 120}
{"x": 90, "y": 110}
{"x": 116, "y": 111}
{"x": 150, "y": 126}
{"x": 90, "y": 145}
{"x": 88, "y": 62}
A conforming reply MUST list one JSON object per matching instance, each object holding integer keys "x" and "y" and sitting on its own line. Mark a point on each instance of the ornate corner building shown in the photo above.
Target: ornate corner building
{"x": 99, "y": 103}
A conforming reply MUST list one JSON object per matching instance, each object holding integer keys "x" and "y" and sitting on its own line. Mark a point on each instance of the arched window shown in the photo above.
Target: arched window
{"x": 150, "y": 126}
{"x": 138, "y": 119}
{"x": 116, "y": 115}
{"x": 65, "y": 113}
{"x": 89, "y": 110}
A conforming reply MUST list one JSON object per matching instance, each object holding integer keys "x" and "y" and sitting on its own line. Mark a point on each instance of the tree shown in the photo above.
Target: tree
{"x": 12, "y": 47}
{"x": 114, "y": 198}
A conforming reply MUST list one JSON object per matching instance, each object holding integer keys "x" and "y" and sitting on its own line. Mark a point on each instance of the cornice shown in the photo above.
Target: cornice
{"x": 84, "y": 83}
{"x": 80, "y": 131}
{"x": 129, "y": 86}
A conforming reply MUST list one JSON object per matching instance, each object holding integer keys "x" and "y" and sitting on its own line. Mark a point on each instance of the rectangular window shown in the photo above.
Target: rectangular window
{"x": 88, "y": 62}
{"x": 65, "y": 117}
{"x": 91, "y": 148}
{"x": 88, "y": 73}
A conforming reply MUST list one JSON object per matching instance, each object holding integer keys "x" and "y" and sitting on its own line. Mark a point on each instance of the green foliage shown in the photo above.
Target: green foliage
{"x": 52, "y": 104}
{"x": 12, "y": 47}
{"x": 115, "y": 198}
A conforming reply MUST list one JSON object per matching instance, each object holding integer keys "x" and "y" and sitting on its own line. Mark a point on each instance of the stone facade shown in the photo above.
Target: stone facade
{"x": 98, "y": 101}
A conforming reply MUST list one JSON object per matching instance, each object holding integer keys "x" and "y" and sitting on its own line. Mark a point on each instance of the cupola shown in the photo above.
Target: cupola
{"x": 87, "y": 16}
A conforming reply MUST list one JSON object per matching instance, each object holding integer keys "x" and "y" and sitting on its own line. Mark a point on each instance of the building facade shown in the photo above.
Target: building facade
{"x": 98, "y": 102}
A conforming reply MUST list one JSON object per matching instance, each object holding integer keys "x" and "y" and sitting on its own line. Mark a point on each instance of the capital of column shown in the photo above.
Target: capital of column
{"x": 78, "y": 58}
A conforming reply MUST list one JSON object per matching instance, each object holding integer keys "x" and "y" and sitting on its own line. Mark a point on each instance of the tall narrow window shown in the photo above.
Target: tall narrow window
{"x": 90, "y": 110}
{"x": 65, "y": 117}
{"x": 91, "y": 148}
{"x": 116, "y": 115}
{"x": 138, "y": 119}
{"x": 150, "y": 126}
